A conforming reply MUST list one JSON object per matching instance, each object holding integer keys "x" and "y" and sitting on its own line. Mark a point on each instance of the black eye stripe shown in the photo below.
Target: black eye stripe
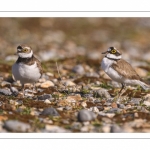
{"x": 19, "y": 47}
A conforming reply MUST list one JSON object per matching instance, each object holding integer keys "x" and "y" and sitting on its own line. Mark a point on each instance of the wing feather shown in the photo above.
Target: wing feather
{"x": 125, "y": 69}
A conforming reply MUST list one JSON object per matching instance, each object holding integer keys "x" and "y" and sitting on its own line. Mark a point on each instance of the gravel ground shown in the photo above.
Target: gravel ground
{"x": 81, "y": 97}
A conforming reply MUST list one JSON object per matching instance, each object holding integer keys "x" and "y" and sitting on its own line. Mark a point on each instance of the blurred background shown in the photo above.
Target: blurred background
{"x": 52, "y": 38}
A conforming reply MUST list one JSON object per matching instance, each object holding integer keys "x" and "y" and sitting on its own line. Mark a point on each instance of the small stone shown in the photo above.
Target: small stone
{"x": 50, "y": 111}
{"x": 74, "y": 98}
{"x": 83, "y": 104}
{"x": 114, "y": 105}
{"x": 16, "y": 126}
{"x": 92, "y": 74}
{"x": 14, "y": 91}
{"x": 67, "y": 108}
{"x": 68, "y": 83}
{"x": 49, "y": 74}
{"x": 55, "y": 129}
{"x": 102, "y": 93}
{"x": 114, "y": 110}
{"x": 47, "y": 101}
{"x": 121, "y": 106}
{"x": 78, "y": 69}
{"x": 135, "y": 101}
{"x": 106, "y": 128}
{"x": 147, "y": 103}
{"x": 44, "y": 97}
{"x": 100, "y": 108}
{"x": 47, "y": 84}
{"x": 60, "y": 108}
{"x": 5, "y": 83}
{"x": 76, "y": 126}
{"x": 6, "y": 92}
{"x": 85, "y": 115}
{"x": 116, "y": 129}
{"x": 94, "y": 109}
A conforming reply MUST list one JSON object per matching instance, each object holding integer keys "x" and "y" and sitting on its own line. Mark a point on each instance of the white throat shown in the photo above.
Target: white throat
{"x": 25, "y": 55}
{"x": 113, "y": 56}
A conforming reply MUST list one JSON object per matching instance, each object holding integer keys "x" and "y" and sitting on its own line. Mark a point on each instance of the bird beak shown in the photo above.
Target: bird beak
{"x": 104, "y": 52}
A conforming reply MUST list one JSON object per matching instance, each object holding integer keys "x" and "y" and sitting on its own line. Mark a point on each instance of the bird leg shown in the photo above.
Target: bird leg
{"x": 34, "y": 89}
{"x": 22, "y": 88}
{"x": 123, "y": 85}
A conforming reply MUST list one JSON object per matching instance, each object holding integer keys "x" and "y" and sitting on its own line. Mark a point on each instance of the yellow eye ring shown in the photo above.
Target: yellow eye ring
{"x": 25, "y": 50}
{"x": 113, "y": 51}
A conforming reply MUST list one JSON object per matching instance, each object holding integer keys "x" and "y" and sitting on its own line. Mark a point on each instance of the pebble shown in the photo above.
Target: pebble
{"x": 44, "y": 97}
{"x": 76, "y": 126}
{"x": 50, "y": 111}
{"x": 47, "y": 101}
{"x": 16, "y": 126}
{"x": 60, "y": 108}
{"x": 84, "y": 104}
{"x": 47, "y": 84}
{"x": 14, "y": 91}
{"x": 55, "y": 129}
{"x": 68, "y": 83}
{"x": 6, "y": 92}
{"x": 114, "y": 105}
{"x": 92, "y": 74}
{"x": 102, "y": 93}
{"x": 116, "y": 129}
{"x": 114, "y": 110}
{"x": 67, "y": 108}
{"x": 5, "y": 83}
{"x": 78, "y": 69}
{"x": 135, "y": 101}
{"x": 106, "y": 128}
{"x": 147, "y": 103}
{"x": 121, "y": 106}
{"x": 109, "y": 115}
{"x": 87, "y": 95}
{"x": 100, "y": 108}
{"x": 85, "y": 115}
{"x": 94, "y": 109}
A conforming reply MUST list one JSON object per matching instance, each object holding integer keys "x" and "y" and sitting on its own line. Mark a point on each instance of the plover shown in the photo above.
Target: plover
{"x": 119, "y": 70}
{"x": 27, "y": 68}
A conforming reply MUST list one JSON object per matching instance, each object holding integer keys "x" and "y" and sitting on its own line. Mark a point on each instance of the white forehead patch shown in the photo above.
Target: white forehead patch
{"x": 26, "y": 55}
{"x": 109, "y": 49}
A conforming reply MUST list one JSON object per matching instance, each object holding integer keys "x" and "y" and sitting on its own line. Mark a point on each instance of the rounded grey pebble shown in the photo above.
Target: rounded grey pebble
{"x": 68, "y": 108}
{"x": 100, "y": 108}
{"x": 116, "y": 129}
{"x": 121, "y": 106}
{"x": 50, "y": 111}
{"x": 102, "y": 93}
{"x": 114, "y": 110}
{"x": 44, "y": 97}
{"x": 14, "y": 91}
{"x": 85, "y": 115}
{"x": 78, "y": 69}
{"x": 136, "y": 101}
{"x": 87, "y": 95}
{"x": 17, "y": 126}
{"x": 5, "y": 92}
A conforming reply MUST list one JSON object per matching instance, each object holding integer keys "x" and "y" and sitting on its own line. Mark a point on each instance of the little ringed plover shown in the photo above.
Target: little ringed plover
{"x": 119, "y": 70}
{"x": 27, "y": 68}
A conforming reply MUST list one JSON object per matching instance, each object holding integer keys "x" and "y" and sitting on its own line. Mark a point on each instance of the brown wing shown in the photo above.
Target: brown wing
{"x": 38, "y": 64}
{"x": 125, "y": 69}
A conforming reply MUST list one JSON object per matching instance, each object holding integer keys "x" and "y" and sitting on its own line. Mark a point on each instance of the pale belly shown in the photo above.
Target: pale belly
{"x": 106, "y": 66}
{"x": 25, "y": 73}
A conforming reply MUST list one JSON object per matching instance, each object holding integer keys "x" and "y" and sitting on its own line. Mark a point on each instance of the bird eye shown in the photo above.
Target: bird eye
{"x": 113, "y": 51}
{"x": 25, "y": 50}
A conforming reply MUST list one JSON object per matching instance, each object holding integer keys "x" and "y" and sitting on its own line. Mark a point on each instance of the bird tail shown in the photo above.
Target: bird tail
{"x": 144, "y": 85}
